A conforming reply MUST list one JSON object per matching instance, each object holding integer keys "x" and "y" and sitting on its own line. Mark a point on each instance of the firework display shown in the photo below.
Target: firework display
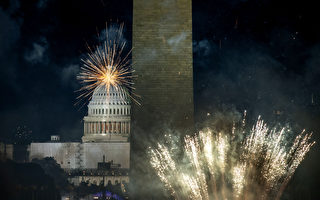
{"x": 104, "y": 66}
{"x": 254, "y": 164}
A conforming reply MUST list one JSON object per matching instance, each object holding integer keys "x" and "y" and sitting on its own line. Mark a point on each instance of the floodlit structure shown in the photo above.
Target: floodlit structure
{"x": 162, "y": 53}
{"x": 108, "y": 117}
{"x": 104, "y": 153}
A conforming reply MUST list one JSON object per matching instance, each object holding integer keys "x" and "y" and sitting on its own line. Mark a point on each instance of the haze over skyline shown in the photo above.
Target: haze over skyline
{"x": 259, "y": 56}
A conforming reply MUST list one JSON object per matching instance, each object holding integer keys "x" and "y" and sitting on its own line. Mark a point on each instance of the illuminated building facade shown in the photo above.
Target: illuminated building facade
{"x": 104, "y": 153}
{"x": 108, "y": 117}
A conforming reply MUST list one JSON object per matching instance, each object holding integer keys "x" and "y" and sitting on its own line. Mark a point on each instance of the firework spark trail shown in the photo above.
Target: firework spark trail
{"x": 105, "y": 67}
{"x": 239, "y": 165}
{"x": 193, "y": 152}
{"x": 238, "y": 173}
{"x": 207, "y": 142}
{"x": 162, "y": 159}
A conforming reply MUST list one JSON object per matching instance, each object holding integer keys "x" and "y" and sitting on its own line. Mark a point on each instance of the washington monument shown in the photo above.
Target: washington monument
{"x": 162, "y": 57}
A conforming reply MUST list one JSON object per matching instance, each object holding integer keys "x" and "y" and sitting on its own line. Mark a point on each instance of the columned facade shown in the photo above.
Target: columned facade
{"x": 108, "y": 118}
{"x": 106, "y": 127}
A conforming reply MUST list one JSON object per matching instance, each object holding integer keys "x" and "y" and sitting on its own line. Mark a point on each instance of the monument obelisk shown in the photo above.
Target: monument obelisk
{"x": 162, "y": 57}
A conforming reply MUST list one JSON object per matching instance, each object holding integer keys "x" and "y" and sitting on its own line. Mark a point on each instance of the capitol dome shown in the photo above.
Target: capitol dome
{"x": 108, "y": 116}
{"x": 102, "y": 99}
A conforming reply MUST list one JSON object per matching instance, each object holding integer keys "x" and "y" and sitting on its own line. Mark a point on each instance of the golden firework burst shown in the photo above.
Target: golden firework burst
{"x": 105, "y": 66}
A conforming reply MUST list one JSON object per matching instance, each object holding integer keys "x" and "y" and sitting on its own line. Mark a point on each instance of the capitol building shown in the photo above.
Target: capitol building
{"x": 103, "y": 156}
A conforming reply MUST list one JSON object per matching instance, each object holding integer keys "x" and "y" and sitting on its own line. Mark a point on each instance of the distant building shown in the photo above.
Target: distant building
{"x": 55, "y": 138}
{"x": 6, "y": 151}
{"x": 104, "y": 154}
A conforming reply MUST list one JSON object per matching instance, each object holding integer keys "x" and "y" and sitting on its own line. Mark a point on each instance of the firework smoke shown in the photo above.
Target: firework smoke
{"x": 255, "y": 164}
{"x": 105, "y": 67}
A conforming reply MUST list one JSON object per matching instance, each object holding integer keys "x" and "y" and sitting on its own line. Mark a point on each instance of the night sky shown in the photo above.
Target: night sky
{"x": 262, "y": 56}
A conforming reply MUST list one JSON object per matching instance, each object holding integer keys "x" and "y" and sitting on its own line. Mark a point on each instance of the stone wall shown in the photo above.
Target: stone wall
{"x": 73, "y": 155}
{"x": 118, "y": 152}
{"x": 64, "y": 153}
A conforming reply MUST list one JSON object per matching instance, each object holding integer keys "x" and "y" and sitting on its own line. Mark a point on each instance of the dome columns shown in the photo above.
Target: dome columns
{"x": 104, "y": 127}
{"x": 108, "y": 117}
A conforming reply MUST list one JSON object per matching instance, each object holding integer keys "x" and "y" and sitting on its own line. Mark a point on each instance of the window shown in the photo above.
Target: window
{"x": 102, "y": 111}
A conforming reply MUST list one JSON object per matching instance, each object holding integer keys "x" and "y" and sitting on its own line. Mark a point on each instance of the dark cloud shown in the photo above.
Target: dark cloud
{"x": 10, "y": 32}
{"x": 68, "y": 74}
{"x": 203, "y": 47}
{"x": 313, "y": 67}
{"x": 9, "y": 39}
{"x": 37, "y": 52}
{"x": 112, "y": 32}
{"x": 42, "y": 4}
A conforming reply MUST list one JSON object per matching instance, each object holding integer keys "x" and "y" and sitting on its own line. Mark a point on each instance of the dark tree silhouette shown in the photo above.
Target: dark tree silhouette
{"x": 26, "y": 181}
{"x": 53, "y": 169}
